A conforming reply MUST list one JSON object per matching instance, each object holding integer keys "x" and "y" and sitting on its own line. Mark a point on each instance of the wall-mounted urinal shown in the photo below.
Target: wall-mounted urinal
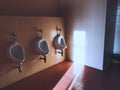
{"x": 41, "y": 45}
{"x": 16, "y": 53}
{"x": 59, "y": 42}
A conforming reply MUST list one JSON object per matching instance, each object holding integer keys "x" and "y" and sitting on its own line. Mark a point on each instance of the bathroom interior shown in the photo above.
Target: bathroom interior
{"x": 59, "y": 44}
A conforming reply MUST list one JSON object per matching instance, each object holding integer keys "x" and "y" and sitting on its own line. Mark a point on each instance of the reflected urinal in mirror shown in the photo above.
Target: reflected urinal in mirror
{"x": 59, "y": 42}
{"x": 42, "y": 46}
{"x": 16, "y": 53}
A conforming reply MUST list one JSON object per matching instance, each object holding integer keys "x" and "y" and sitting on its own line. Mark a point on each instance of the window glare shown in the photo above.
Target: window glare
{"x": 79, "y": 42}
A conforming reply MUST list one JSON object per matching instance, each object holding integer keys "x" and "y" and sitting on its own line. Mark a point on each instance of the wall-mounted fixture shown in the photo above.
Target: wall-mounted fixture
{"x": 41, "y": 45}
{"x": 59, "y": 42}
{"x": 16, "y": 53}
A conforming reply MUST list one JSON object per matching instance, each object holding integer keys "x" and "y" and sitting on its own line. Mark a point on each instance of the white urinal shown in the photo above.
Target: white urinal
{"x": 42, "y": 47}
{"x": 59, "y": 42}
{"x": 16, "y": 53}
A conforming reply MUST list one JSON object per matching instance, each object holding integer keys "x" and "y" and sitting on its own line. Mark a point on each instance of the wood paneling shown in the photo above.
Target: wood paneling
{"x": 25, "y": 27}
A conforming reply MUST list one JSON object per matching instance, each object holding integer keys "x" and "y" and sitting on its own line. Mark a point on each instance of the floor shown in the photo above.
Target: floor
{"x": 88, "y": 79}
{"x": 44, "y": 80}
{"x": 67, "y": 80}
{"x": 92, "y": 79}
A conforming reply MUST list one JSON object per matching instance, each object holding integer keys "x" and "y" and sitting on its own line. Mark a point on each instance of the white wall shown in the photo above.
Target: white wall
{"x": 88, "y": 16}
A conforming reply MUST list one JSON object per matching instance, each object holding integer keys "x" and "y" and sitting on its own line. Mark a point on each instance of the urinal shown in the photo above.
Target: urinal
{"x": 42, "y": 46}
{"x": 59, "y": 42}
{"x": 16, "y": 53}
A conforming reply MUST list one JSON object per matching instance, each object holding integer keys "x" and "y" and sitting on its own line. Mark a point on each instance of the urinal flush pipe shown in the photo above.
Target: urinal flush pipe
{"x": 40, "y": 33}
{"x": 58, "y": 30}
{"x": 14, "y": 36}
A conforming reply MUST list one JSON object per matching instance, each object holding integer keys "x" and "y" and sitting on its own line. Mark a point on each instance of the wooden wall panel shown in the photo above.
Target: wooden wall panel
{"x": 25, "y": 27}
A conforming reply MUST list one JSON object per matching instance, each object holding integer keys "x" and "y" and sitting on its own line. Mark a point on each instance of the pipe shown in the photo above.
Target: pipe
{"x": 14, "y": 36}
{"x": 44, "y": 58}
{"x": 19, "y": 68}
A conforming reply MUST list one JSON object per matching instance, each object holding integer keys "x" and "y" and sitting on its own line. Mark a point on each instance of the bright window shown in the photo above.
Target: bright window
{"x": 79, "y": 43}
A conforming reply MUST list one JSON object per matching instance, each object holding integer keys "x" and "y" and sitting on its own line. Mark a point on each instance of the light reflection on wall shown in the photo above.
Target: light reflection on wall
{"x": 79, "y": 45}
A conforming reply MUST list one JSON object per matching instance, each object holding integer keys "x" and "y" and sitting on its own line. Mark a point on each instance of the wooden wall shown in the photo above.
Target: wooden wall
{"x": 25, "y": 27}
